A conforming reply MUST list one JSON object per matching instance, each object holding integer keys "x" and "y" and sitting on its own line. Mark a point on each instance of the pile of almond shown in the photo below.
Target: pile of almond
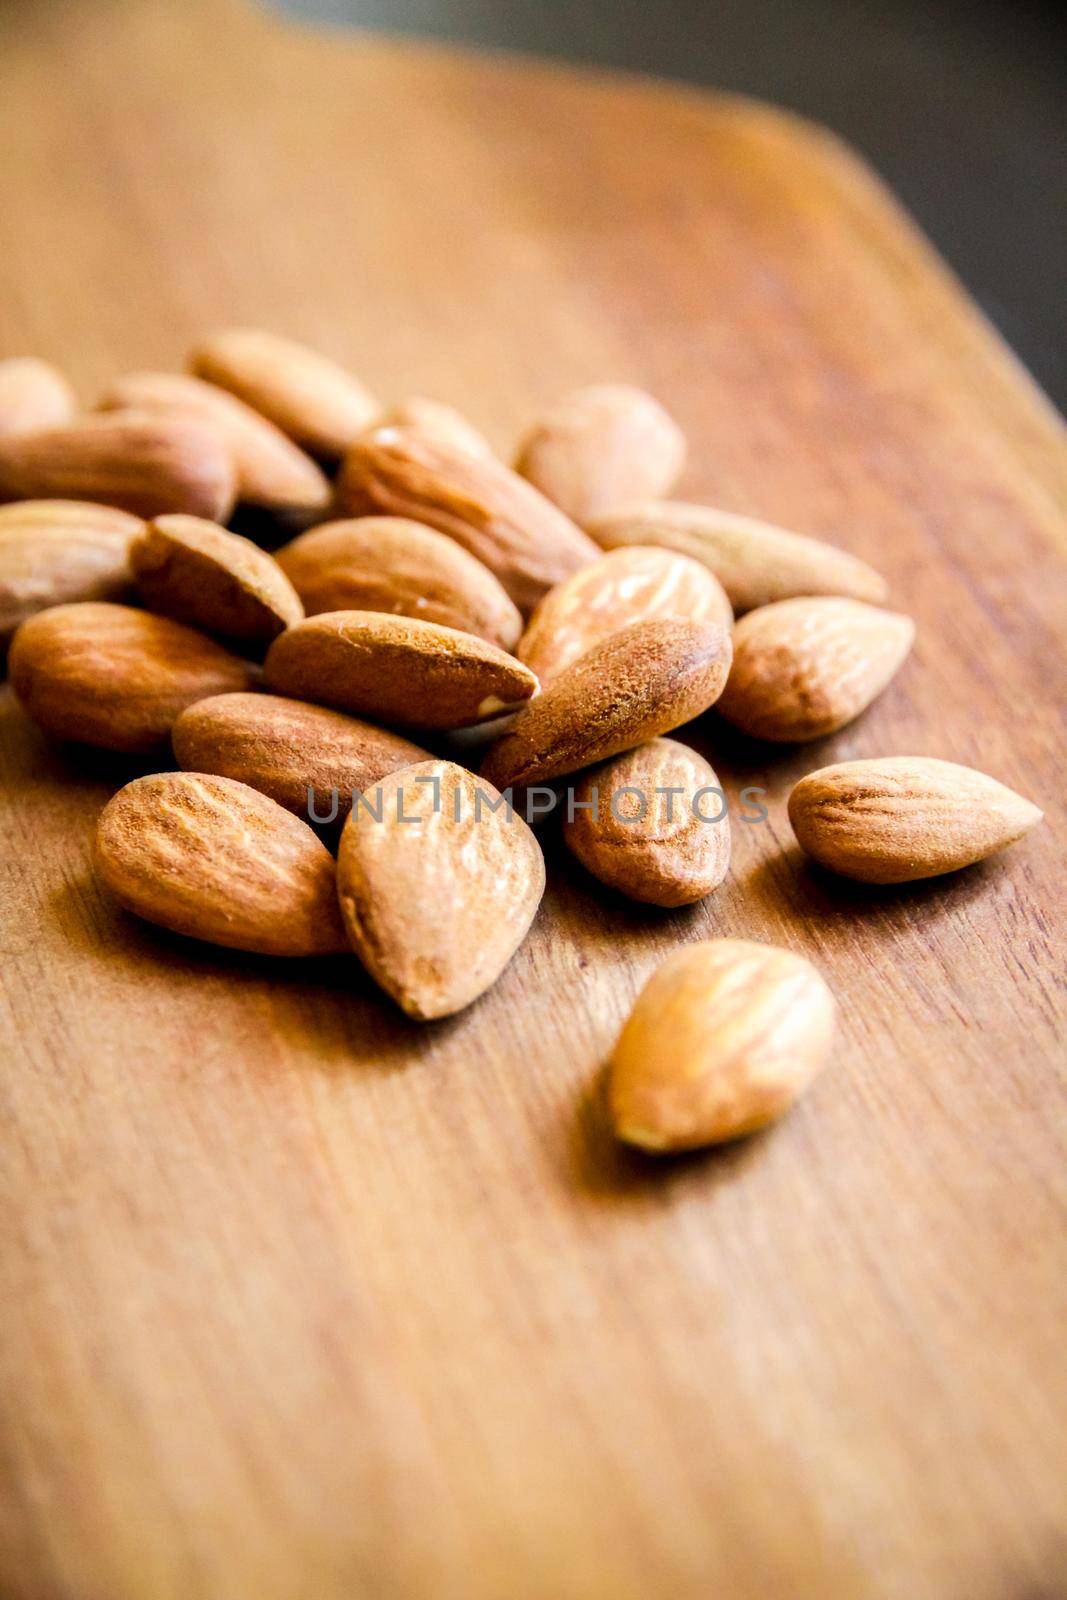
{"x": 550, "y": 624}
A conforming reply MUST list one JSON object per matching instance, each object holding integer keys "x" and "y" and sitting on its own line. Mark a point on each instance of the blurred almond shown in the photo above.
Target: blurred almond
{"x": 33, "y": 395}
{"x": 54, "y": 551}
{"x": 440, "y": 421}
{"x": 204, "y": 575}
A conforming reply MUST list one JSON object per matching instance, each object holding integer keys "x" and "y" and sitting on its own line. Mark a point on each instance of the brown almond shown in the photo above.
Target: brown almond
{"x": 396, "y": 670}
{"x": 56, "y": 551}
{"x": 213, "y": 859}
{"x": 389, "y": 564}
{"x": 33, "y": 395}
{"x": 637, "y": 684}
{"x": 905, "y": 817}
{"x": 755, "y": 562}
{"x": 202, "y": 574}
{"x": 635, "y": 584}
{"x": 111, "y": 676}
{"x": 500, "y": 518}
{"x": 804, "y": 668}
{"x": 440, "y": 421}
{"x": 723, "y": 1039}
{"x": 438, "y": 886}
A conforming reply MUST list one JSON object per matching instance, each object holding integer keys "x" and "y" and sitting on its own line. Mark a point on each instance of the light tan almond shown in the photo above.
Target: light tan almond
{"x": 804, "y": 668}
{"x": 602, "y": 447}
{"x": 308, "y": 396}
{"x": 440, "y": 421}
{"x": 637, "y": 684}
{"x": 755, "y": 562}
{"x": 635, "y": 584}
{"x": 216, "y": 860}
{"x": 55, "y": 551}
{"x": 272, "y": 471}
{"x": 723, "y": 1039}
{"x": 33, "y": 395}
{"x": 111, "y": 676}
{"x": 286, "y": 748}
{"x": 146, "y": 463}
{"x": 202, "y": 574}
{"x": 905, "y": 817}
{"x": 390, "y": 564}
{"x": 397, "y": 670}
{"x": 652, "y": 824}
{"x": 500, "y": 518}
{"x": 438, "y": 884}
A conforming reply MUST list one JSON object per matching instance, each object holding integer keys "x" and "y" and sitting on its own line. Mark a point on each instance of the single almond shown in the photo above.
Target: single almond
{"x": 500, "y": 518}
{"x": 33, "y": 395}
{"x": 272, "y": 471}
{"x": 438, "y": 883}
{"x": 635, "y": 584}
{"x": 755, "y": 562}
{"x": 397, "y": 670}
{"x": 308, "y": 396}
{"x": 306, "y": 757}
{"x": 905, "y": 817}
{"x": 202, "y": 574}
{"x": 804, "y": 668}
{"x": 55, "y": 551}
{"x": 723, "y": 1039}
{"x": 637, "y": 684}
{"x": 440, "y": 421}
{"x": 390, "y": 564}
{"x": 652, "y": 824}
{"x": 111, "y": 676}
{"x": 215, "y": 860}
{"x": 602, "y": 447}
{"x": 145, "y": 463}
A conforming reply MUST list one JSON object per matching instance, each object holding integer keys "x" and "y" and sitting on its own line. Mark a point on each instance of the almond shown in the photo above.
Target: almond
{"x": 636, "y": 584}
{"x": 601, "y": 447}
{"x": 200, "y": 573}
{"x": 272, "y": 471}
{"x": 723, "y": 1039}
{"x": 755, "y": 562}
{"x": 53, "y": 551}
{"x": 500, "y": 518}
{"x": 437, "y": 886}
{"x": 905, "y": 817}
{"x": 389, "y": 564}
{"x": 440, "y": 421}
{"x": 33, "y": 395}
{"x": 284, "y": 748}
{"x": 804, "y": 668}
{"x": 396, "y": 669}
{"x": 215, "y": 860}
{"x": 652, "y": 824}
{"x": 146, "y": 463}
{"x": 641, "y": 682}
{"x": 110, "y": 676}
{"x": 308, "y": 396}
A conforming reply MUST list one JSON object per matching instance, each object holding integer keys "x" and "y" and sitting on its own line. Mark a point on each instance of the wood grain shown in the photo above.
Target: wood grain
{"x": 302, "y": 1300}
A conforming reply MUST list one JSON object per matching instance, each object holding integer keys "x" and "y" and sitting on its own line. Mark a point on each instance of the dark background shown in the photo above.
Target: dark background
{"x": 957, "y": 103}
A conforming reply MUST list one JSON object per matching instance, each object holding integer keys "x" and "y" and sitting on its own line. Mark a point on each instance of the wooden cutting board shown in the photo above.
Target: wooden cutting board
{"x": 302, "y": 1301}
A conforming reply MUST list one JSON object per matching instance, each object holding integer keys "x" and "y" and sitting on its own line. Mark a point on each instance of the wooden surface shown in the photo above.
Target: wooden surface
{"x": 301, "y": 1301}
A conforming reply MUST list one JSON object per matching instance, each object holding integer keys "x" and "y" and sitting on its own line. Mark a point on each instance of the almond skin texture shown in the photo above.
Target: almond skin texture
{"x": 33, "y": 395}
{"x": 145, "y": 463}
{"x": 114, "y": 677}
{"x": 905, "y": 817}
{"x": 202, "y": 574}
{"x": 272, "y": 471}
{"x": 305, "y": 394}
{"x": 500, "y": 518}
{"x": 284, "y": 747}
{"x": 602, "y": 447}
{"x": 440, "y": 421}
{"x": 637, "y": 584}
{"x": 55, "y": 551}
{"x": 804, "y": 668}
{"x": 641, "y": 682}
{"x": 436, "y": 907}
{"x": 215, "y": 860}
{"x": 396, "y": 670}
{"x": 724, "y": 1037}
{"x": 666, "y": 849}
{"x": 389, "y": 564}
{"x": 755, "y": 562}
